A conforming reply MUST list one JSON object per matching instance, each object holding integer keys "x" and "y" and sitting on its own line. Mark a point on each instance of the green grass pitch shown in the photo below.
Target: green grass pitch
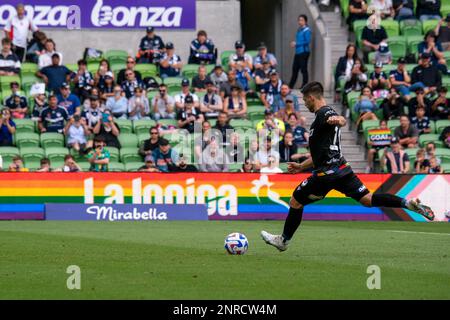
{"x": 186, "y": 260}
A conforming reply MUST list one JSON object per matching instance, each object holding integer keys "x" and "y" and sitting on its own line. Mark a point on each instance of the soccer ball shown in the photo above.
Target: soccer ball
{"x": 236, "y": 243}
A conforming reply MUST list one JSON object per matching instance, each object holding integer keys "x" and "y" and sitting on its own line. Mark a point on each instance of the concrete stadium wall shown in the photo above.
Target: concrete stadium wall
{"x": 221, "y": 19}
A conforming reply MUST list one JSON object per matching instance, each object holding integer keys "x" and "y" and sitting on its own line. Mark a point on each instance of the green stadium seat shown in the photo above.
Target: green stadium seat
{"x": 6, "y": 80}
{"x": 283, "y": 166}
{"x": 56, "y": 154}
{"x": 143, "y": 126}
{"x": 168, "y": 122}
{"x": 113, "y": 153}
{"x": 172, "y": 81}
{"x": 234, "y": 167}
{"x": 27, "y": 139}
{"x": 429, "y": 25}
{"x": 128, "y": 140}
{"x": 225, "y": 57}
{"x": 255, "y": 116}
{"x": 72, "y": 67}
{"x": 116, "y": 56}
{"x": 93, "y": 67}
{"x": 116, "y": 167}
{"x": 413, "y": 43}
{"x": 425, "y": 138}
{"x": 28, "y": 68}
{"x": 52, "y": 139}
{"x": 8, "y": 153}
{"x": 252, "y": 53}
{"x": 443, "y": 154}
{"x": 358, "y": 26}
{"x": 446, "y": 82}
{"x": 392, "y": 124}
{"x": 130, "y": 155}
{"x": 24, "y": 125}
{"x": 125, "y": 125}
{"x": 447, "y": 57}
{"x": 445, "y": 8}
{"x": 142, "y": 137}
{"x": 369, "y": 124}
{"x": 133, "y": 166}
{"x": 189, "y": 70}
{"x": 397, "y": 46}
{"x": 241, "y": 123}
{"x": 147, "y": 70}
{"x": 85, "y": 166}
{"x": 32, "y": 165}
{"x": 441, "y": 124}
{"x": 391, "y": 26}
{"x": 410, "y": 27}
{"x": 32, "y": 154}
{"x": 151, "y": 95}
{"x": 446, "y": 167}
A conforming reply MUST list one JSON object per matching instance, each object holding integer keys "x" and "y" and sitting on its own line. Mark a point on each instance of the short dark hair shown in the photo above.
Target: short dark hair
{"x": 202, "y": 33}
{"x": 6, "y": 41}
{"x": 163, "y": 142}
{"x": 99, "y": 138}
{"x": 45, "y": 161}
{"x": 313, "y": 89}
{"x": 67, "y": 157}
{"x": 304, "y": 17}
{"x": 82, "y": 62}
{"x": 52, "y": 96}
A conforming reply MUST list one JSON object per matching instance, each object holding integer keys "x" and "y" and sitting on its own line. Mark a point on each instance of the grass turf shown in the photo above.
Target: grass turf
{"x": 186, "y": 260}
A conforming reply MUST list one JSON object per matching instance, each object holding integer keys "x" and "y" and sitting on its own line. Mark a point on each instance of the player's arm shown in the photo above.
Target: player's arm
{"x": 337, "y": 121}
{"x": 294, "y": 167}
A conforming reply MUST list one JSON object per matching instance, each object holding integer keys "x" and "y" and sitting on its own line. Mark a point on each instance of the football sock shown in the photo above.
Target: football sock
{"x": 292, "y": 223}
{"x": 388, "y": 200}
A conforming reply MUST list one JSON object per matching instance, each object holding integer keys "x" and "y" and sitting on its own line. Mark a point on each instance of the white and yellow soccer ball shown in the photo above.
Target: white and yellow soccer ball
{"x": 236, "y": 243}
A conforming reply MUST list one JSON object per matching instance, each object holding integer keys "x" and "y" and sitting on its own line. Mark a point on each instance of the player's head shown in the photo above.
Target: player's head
{"x": 312, "y": 95}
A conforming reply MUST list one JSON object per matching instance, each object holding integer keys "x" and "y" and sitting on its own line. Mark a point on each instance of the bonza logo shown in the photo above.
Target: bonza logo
{"x": 222, "y": 200}
{"x": 45, "y": 15}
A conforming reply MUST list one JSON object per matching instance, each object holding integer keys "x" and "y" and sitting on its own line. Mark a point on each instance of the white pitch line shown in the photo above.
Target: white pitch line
{"x": 420, "y": 232}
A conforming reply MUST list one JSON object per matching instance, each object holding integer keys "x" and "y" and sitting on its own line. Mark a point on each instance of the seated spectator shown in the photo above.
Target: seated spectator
{"x": 94, "y": 93}
{"x": 223, "y": 125}
{"x": 103, "y": 68}
{"x": 52, "y": 118}
{"x": 406, "y": 133}
{"x": 384, "y": 7}
{"x": 421, "y": 165}
{"x": 99, "y": 157}
{"x": 404, "y": 9}
{"x": 434, "y": 166}
{"x": 94, "y": 113}
{"x": 213, "y": 159}
{"x": 54, "y": 75}
{"x": 15, "y": 91}
{"x": 77, "y": 133}
{"x": 440, "y": 109}
{"x": 271, "y": 89}
{"x": 378, "y": 82}
{"x": 235, "y": 105}
{"x": 150, "y": 48}
{"x": 45, "y": 166}
{"x": 272, "y": 166}
{"x": 284, "y": 113}
{"x": 17, "y": 103}
{"x": 131, "y": 64}
{"x": 107, "y": 89}
{"x": 357, "y": 78}
{"x": 442, "y": 32}
{"x": 345, "y": 64}
{"x": 280, "y": 100}
{"x": 445, "y": 136}
{"x": 288, "y": 148}
{"x": 9, "y": 61}
{"x": 36, "y": 47}
{"x": 138, "y": 106}
{"x": 426, "y": 75}
{"x": 183, "y": 166}
{"x": 262, "y": 156}
{"x": 189, "y": 116}
{"x": 430, "y": 150}
{"x": 248, "y": 166}
{"x": 163, "y": 104}
{"x": 301, "y": 135}
{"x": 68, "y": 100}
{"x": 70, "y": 165}
{"x": 357, "y": 11}
{"x": 433, "y": 47}
{"x": 83, "y": 80}
{"x": 45, "y": 59}
{"x": 218, "y": 76}
{"x": 395, "y": 159}
{"x": 234, "y": 151}
{"x": 165, "y": 157}
{"x": 108, "y": 130}
{"x": 373, "y": 146}
{"x": 130, "y": 84}
{"x": 150, "y": 144}
{"x": 170, "y": 64}
{"x": 202, "y": 49}
{"x": 383, "y": 55}
{"x": 17, "y": 165}
{"x": 372, "y": 35}
{"x": 366, "y": 106}
{"x": 185, "y": 91}
{"x": 211, "y": 103}
{"x": 225, "y": 88}
{"x": 149, "y": 165}
{"x": 40, "y": 103}
{"x": 271, "y": 125}
{"x": 7, "y": 129}
{"x": 199, "y": 81}
{"x": 263, "y": 55}
{"x": 244, "y": 77}
{"x": 240, "y": 59}
{"x": 428, "y": 9}
{"x": 202, "y": 141}
{"x": 392, "y": 105}
{"x": 400, "y": 80}
{"x": 420, "y": 121}
{"x": 262, "y": 75}
{"x": 420, "y": 100}
{"x": 118, "y": 104}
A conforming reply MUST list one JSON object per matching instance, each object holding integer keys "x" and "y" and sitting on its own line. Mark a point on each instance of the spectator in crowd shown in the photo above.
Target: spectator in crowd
{"x": 189, "y": 115}
{"x": 395, "y": 159}
{"x": 54, "y": 75}
{"x": 118, "y": 104}
{"x": 366, "y": 106}
{"x": 240, "y": 58}
{"x": 165, "y": 157}
{"x": 202, "y": 49}
{"x": 218, "y": 76}
{"x": 108, "y": 130}
{"x": 99, "y": 77}
{"x": 263, "y": 55}
{"x": 225, "y": 88}
{"x": 345, "y": 64}
{"x": 288, "y": 148}
{"x": 284, "y": 113}
{"x": 372, "y": 35}
{"x": 431, "y": 46}
{"x": 183, "y": 166}
{"x": 150, "y": 144}
{"x": 404, "y": 9}
{"x": 45, "y": 165}
{"x": 199, "y": 81}
{"x": 107, "y": 87}
{"x": 271, "y": 125}
{"x": 302, "y": 50}
{"x": 68, "y": 100}
{"x": 45, "y": 59}
{"x": 428, "y": 9}
{"x": 248, "y": 166}
{"x": 440, "y": 109}
{"x": 211, "y": 103}
{"x": 272, "y": 166}
{"x": 17, "y": 103}
{"x": 271, "y": 89}
{"x": 83, "y": 80}
{"x": 421, "y": 165}
{"x": 202, "y": 141}
{"x": 17, "y": 165}
{"x": 223, "y": 126}
{"x": 383, "y": 54}
{"x": 262, "y": 74}
{"x": 384, "y": 8}
{"x": 420, "y": 121}
{"x": 430, "y": 150}
{"x": 138, "y": 106}
{"x": 17, "y": 28}
{"x": 122, "y": 75}
{"x": 151, "y": 47}
{"x": 213, "y": 158}
{"x": 244, "y": 77}
{"x": 426, "y": 75}
{"x": 93, "y": 113}
{"x": 280, "y": 100}
{"x": 445, "y": 136}
{"x": 357, "y": 11}
{"x": 262, "y": 156}
{"x": 40, "y": 103}
{"x": 392, "y": 105}
{"x": 378, "y": 81}
{"x": 9, "y": 61}
{"x": 235, "y": 105}
{"x": 130, "y": 84}
{"x": 52, "y": 118}
{"x": 406, "y": 133}
{"x": 234, "y": 151}
{"x": 181, "y": 97}
{"x": 434, "y": 166}
{"x": 357, "y": 79}
{"x": 400, "y": 79}
{"x": 420, "y": 100}
{"x": 77, "y": 132}
{"x": 36, "y": 47}
{"x": 442, "y": 32}
{"x": 163, "y": 104}
{"x": 372, "y": 150}
{"x": 99, "y": 157}
{"x": 149, "y": 165}
{"x": 170, "y": 64}
{"x": 70, "y": 165}
{"x": 7, "y": 129}
{"x": 301, "y": 135}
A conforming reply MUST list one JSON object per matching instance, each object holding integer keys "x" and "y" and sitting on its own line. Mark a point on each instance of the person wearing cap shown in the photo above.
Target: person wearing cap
{"x": 185, "y": 91}
{"x": 434, "y": 48}
{"x": 77, "y": 133}
{"x": 170, "y": 64}
{"x": 9, "y": 61}
{"x": 83, "y": 80}
{"x": 150, "y": 48}
{"x": 68, "y": 100}
{"x": 427, "y": 75}
{"x": 235, "y": 105}
{"x": 211, "y": 103}
{"x": 440, "y": 109}
{"x": 428, "y": 10}
{"x": 106, "y": 87}
{"x": 302, "y": 45}
{"x": 288, "y": 109}
{"x": 442, "y": 32}
{"x": 7, "y": 128}
{"x": 218, "y": 76}
{"x": 92, "y": 113}
{"x": 266, "y": 150}
{"x": 163, "y": 104}
{"x": 372, "y": 35}
{"x": 406, "y": 133}
{"x": 149, "y": 165}
{"x": 240, "y": 59}
{"x": 17, "y": 165}
{"x": 45, "y": 59}
{"x": 55, "y": 74}
{"x": 420, "y": 121}
{"x": 271, "y": 89}
{"x": 11, "y": 102}
{"x": 53, "y": 117}
{"x": 378, "y": 81}
{"x": 202, "y": 50}
{"x": 383, "y": 54}
{"x": 394, "y": 159}
{"x": 262, "y": 75}
{"x": 420, "y": 100}
{"x": 165, "y": 157}
{"x": 199, "y": 80}
{"x": 130, "y": 66}
{"x": 189, "y": 115}
{"x": 138, "y": 106}
{"x": 271, "y": 125}
{"x": 280, "y": 100}
{"x": 131, "y": 83}
{"x": 263, "y": 55}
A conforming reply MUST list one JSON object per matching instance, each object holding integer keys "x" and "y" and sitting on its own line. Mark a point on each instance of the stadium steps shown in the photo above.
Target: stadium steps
{"x": 337, "y": 32}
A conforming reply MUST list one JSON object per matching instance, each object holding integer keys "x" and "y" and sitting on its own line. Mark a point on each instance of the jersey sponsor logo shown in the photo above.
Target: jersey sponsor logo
{"x": 362, "y": 188}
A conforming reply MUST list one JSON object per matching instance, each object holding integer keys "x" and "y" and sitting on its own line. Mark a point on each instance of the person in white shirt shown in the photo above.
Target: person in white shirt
{"x": 272, "y": 166}
{"x": 76, "y": 131}
{"x": 264, "y": 153}
{"x": 138, "y": 106}
{"x": 17, "y": 29}
{"x": 118, "y": 104}
{"x": 45, "y": 59}
{"x": 185, "y": 91}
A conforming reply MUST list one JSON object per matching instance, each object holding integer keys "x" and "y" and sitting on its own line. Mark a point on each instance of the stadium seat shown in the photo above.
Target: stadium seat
{"x": 28, "y": 68}
{"x": 128, "y": 140}
{"x": 225, "y": 57}
{"x": 113, "y": 153}
{"x": 411, "y": 27}
{"x": 358, "y": 26}
{"x": 445, "y": 8}
{"x": 93, "y": 67}
{"x": 397, "y": 45}
{"x": 391, "y": 26}
{"x": 151, "y": 95}
{"x": 85, "y": 166}
{"x": 142, "y": 137}
{"x": 433, "y": 126}
{"x": 424, "y": 138}
{"x": 255, "y": 116}
{"x": 32, "y": 165}
{"x": 56, "y": 154}
{"x": 168, "y": 122}
{"x": 143, "y": 126}
{"x": 429, "y": 25}
{"x": 116, "y": 167}
{"x": 283, "y": 166}
{"x": 32, "y": 154}
{"x": 369, "y": 124}
{"x": 72, "y": 67}
{"x": 172, "y": 81}
{"x": 133, "y": 166}
{"x": 443, "y": 154}
{"x": 52, "y": 139}
{"x": 130, "y": 155}
{"x": 125, "y": 125}
{"x": 446, "y": 167}
{"x": 446, "y": 82}
{"x": 441, "y": 124}
{"x": 241, "y": 123}
{"x": 28, "y": 80}
{"x": 116, "y": 55}
{"x": 190, "y": 70}
{"x": 8, "y": 153}
{"x": 24, "y": 125}
{"x": 146, "y": 70}
{"x": 5, "y": 81}
{"x": 26, "y": 139}
{"x": 413, "y": 43}
{"x": 392, "y": 124}
{"x": 252, "y": 53}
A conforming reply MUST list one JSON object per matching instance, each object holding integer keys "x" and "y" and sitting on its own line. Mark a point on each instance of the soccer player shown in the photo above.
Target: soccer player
{"x": 331, "y": 171}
